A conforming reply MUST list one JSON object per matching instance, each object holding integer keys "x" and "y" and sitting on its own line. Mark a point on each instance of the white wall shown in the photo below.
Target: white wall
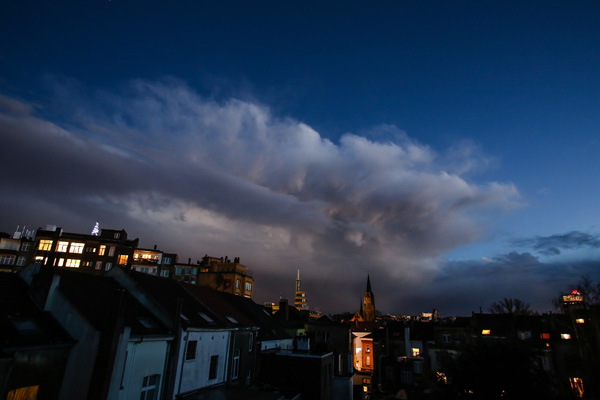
{"x": 144, "y": 358}
{"x": 194, "y": 374}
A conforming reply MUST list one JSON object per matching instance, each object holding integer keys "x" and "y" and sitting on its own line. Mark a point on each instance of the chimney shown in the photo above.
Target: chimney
{"x": 284, "y": 309}
{"x": 154, "y": 247}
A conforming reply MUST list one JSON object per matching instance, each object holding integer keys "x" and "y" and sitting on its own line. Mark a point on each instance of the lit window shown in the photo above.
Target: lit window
{"x": 545, "y": 336}
{"x": 98, "y": 265}
{"x": 577, "y": 386}
{"x": 76, "y": 248}
{"x": 61, "y": 262}
{"x": 150, "y": 387}
{"x": 416, "y": 352}
{"x": 28, "y": 392}
{"x": 62, "y": 247}
{"x": 442, "y": 378}
{"x": 237, "y": 283}
{"x": 45, "y": 245}
{"x": 214, "y": 363}
{"x": 565, "y": 336}
{"x": 123, "y": 259}
{"x": 190, "y": 351}
{"x": 249, "y": 286}
{"x": 486, "y": 332}
{"x": 72, "y": 263}
{"x": 580, "y": 320}
{"x": 7, "y": 260}
{"x": 111, "y": 251}
{"x": 102, "y": 250}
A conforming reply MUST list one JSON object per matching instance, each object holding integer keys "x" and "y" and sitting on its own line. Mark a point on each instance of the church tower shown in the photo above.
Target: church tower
{"x": 369, "y": 303}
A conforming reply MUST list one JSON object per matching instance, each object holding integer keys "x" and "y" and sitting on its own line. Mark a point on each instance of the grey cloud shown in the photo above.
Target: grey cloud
{"x": 200, "y": 176}
{"x": 553, "y": 244}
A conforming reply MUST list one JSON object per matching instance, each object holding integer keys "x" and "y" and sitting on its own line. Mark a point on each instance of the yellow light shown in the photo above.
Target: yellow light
{"x": 565, "y": 336}
{"x": 580, "y": 320}
{"x": 486, "y": 332}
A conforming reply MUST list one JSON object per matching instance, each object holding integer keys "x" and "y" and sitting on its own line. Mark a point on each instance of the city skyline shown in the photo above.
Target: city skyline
{"x": 447, "y": 151}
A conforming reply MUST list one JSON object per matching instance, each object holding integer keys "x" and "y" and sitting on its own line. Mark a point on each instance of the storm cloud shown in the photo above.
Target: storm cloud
{"x": 197, "y": 176}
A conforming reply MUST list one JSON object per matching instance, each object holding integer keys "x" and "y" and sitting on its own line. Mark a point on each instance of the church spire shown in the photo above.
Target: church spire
{"x": 369, "y": 283}
{"x": 368, "y": 311}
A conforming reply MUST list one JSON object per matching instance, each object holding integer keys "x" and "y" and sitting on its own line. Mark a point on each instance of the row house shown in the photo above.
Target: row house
{"x": 93, "y": 253}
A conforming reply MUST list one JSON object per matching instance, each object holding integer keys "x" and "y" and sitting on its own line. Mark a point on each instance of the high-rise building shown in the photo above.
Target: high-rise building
{"x": 300, "y": 299}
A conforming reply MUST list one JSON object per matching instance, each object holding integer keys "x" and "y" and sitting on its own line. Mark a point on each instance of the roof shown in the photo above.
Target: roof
{"x": 169, "y": 293}
{"x": 23, "y": 324}
{"x": 100, "y": 299}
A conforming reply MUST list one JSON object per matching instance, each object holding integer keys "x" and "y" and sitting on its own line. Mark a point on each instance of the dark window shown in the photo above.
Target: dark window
{"x": 214, "y": 362}
{"x": 190, "y": 353}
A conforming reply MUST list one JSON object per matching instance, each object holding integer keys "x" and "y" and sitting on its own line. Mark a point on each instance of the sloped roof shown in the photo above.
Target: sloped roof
{"x": 270, "y": 327}
{"x": 22, "y": 323}
{"x": 100, "y": 299}
{"x": 169, "y": 292}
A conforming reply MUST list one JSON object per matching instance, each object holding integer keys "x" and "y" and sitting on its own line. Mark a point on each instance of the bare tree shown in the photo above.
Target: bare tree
{"x": 510, "y": 306}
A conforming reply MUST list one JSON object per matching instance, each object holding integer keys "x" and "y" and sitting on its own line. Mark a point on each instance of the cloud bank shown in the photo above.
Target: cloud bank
{"x": 197, "y": 176}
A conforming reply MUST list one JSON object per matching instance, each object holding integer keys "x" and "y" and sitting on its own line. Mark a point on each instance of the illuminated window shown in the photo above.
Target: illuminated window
{"x": 577, "y": 386}
{"x": 102, "y": 250}
{"x": 98, "y": 265}
{"x": 45, "y": 245}
{"x": 123, "y": 259}
{"x": 72, "y": 263}
{"x": 111, "y": 251}
{"x": 545, "y": 336}
{"x": 61, "y": 262}
{"x": 442, "y": 378}
{"x": 486, "y": 332}
{"x": 150, "y": 387}
{"x": 29, "y": 392}
{"x": 7, "y": 260}
{"x": 248, "y": 286}
{"x": 580, "y": 320}
{"x": 416, "y": 352}
{"x": 62, "y": 247}
{"x": 565, "y": 336}
{"x": 76, "y": 248}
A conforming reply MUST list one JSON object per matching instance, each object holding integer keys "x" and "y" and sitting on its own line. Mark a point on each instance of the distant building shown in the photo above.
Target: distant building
{"x": 56, "y": 248}
{"x": 369, "y": 303}
{"x": 300, "y": 301}
{"x": 223, "y": 275}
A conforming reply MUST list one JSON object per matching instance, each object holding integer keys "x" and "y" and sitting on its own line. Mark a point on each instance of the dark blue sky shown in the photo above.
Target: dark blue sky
{"x": 429, "y": 133}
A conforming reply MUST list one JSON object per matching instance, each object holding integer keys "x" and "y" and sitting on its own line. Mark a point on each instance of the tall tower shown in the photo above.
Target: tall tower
{"x": 369, "y": 303}
{"x": 300, "y": 299}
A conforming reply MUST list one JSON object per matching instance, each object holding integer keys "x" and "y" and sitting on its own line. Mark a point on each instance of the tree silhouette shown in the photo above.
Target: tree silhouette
{"x": 510, "y": 306}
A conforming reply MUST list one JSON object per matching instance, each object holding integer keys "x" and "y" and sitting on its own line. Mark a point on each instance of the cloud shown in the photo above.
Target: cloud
{"x": 199, "y": 176}
{"x": 553, "y": 244}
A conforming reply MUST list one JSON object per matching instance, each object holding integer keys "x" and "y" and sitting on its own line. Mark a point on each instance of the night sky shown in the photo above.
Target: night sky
{"x": 449, "y": 149}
